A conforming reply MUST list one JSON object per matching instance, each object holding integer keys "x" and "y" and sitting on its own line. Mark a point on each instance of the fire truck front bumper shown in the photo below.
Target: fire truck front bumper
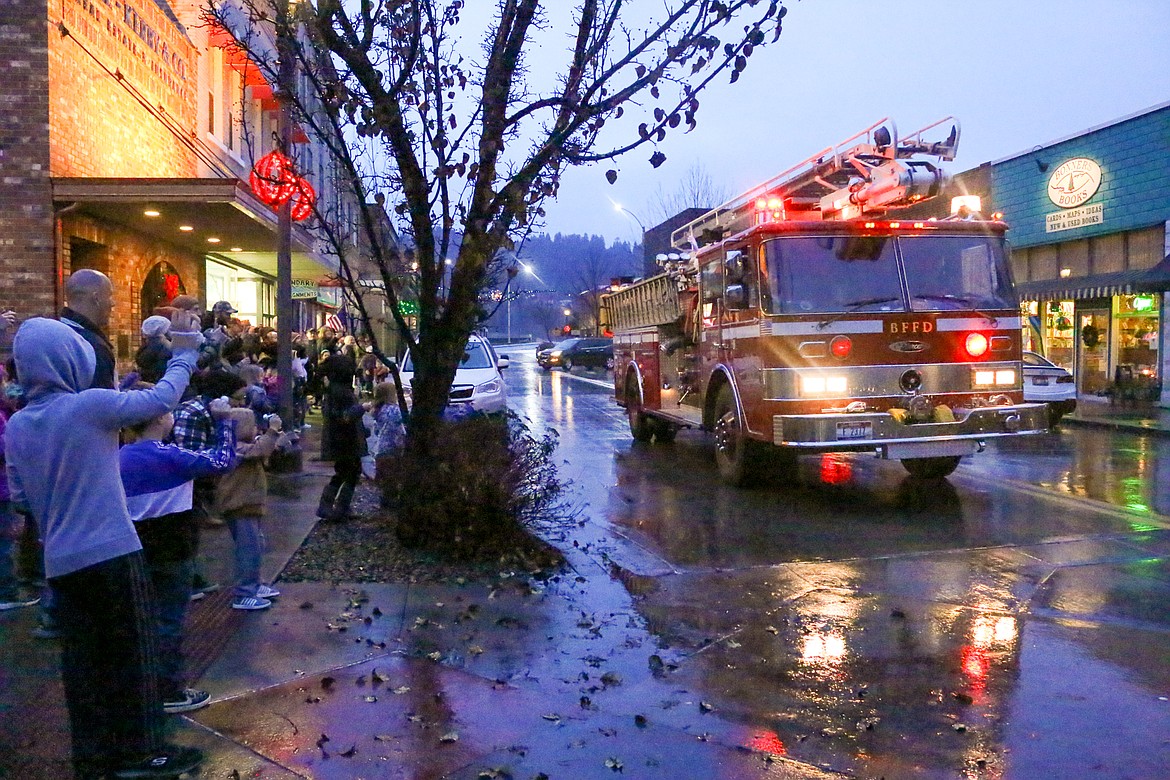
{"x": 883, "y": 433}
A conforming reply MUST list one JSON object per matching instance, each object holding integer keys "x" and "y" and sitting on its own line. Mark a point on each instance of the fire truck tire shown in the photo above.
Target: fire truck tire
{"x": 735, "y": 455}
{"x": 641, "y": 426}
{"x": 931, "y": 468}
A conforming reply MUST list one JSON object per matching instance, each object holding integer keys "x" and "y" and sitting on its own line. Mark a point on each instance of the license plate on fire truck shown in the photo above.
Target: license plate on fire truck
{"x": 854, "y": 430}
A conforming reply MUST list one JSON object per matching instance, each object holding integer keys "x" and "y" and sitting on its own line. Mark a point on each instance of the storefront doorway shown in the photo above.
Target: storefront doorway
{"x": 1092, "y": 350}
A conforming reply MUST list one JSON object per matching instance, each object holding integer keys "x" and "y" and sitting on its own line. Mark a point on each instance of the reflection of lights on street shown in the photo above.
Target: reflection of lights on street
{"x": 987, "y": 630}
{"x": 1005, "y": 629}
{"x": 975, "y": 663}
{"x": 767, "y": 742}
{"x": 835, "y": 469}
{"x": 821, "y": 648}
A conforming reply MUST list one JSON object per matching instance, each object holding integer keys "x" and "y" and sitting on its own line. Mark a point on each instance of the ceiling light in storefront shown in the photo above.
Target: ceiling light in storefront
{"x": 1065, "y": 273}
{"x": 237, "y": 249}
{"x": 212, "y": 240}
{"x": 186, "y": 228}
{"x": 151, "y": 213}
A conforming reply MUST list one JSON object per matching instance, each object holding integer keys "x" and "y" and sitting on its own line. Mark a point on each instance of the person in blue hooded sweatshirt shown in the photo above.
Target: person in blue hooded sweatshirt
{"x": 62, "y": 461}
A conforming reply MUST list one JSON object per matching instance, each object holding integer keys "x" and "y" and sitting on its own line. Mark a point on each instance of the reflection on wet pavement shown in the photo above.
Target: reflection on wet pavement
{"x": 993, "y": 625}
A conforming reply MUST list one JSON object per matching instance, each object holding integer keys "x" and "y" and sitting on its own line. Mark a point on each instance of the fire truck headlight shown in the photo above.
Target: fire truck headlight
{"x": 983, "y": 378}
{"x": 812, "y": 385}
{"x": 818, "y": 384}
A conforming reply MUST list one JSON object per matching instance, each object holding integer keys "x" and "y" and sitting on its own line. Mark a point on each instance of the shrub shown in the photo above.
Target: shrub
{"x": 488, "y": 484}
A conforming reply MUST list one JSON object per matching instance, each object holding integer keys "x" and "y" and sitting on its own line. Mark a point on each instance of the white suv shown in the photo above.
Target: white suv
{"x": 478, "y": 383}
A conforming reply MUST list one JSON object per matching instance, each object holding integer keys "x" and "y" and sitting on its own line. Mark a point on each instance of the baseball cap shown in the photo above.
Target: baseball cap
{"x": 225, "y": 307}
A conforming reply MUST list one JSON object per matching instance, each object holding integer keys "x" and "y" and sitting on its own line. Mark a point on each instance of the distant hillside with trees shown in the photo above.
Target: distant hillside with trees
{"x": 567, "y": 271}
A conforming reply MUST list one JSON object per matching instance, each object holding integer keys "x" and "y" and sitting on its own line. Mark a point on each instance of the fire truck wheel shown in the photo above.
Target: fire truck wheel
{"x": 733, "y": 450}
{"x": 931, "y": 468}
{"x": 641, "y": 426}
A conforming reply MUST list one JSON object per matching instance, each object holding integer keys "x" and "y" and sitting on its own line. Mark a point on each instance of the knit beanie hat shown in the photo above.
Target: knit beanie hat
{"x": 155, "y": 326}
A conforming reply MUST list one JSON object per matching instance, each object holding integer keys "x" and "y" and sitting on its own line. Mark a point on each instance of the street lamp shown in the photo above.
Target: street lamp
{"x": 524, "y": 268}
{"x": 626, "y": 211}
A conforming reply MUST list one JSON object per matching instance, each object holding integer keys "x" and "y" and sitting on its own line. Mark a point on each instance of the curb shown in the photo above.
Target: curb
{"x": 1128, "y": 426}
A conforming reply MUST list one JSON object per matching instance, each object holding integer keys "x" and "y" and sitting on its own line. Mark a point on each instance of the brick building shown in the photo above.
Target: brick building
{"x": 128, "y": 132}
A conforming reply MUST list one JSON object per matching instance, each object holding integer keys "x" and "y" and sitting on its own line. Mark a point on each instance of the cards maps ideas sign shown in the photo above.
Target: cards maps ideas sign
{"x": 1070, "y": 185}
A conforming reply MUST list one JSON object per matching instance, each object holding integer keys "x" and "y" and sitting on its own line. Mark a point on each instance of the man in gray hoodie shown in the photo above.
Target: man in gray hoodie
{"x": 62, "y": 460}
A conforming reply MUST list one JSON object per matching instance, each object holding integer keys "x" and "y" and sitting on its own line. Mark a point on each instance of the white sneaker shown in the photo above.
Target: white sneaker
{"x": 250, "y": 603}
{"x": 267, "y": 592}
{"x": 190, "y": 700}
{"x": 18, "y": 602}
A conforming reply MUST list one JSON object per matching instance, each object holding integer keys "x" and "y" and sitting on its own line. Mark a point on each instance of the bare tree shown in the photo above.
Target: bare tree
{"x": 696, "y": 189}
{"x": 466, "y": 140}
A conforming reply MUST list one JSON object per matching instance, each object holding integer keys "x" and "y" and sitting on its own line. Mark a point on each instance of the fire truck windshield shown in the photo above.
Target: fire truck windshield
{"x": 847, "y": 274}
{"x": 956, "y": 272}
{"x": 832, "y": 274}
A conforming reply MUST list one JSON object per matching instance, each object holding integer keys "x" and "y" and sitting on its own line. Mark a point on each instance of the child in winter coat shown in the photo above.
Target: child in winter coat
{"x": 240, "y": 497}
{"x": 159, "y": 482}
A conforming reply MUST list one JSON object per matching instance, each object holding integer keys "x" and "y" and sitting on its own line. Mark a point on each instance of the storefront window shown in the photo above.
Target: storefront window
{"x": 1058, "y": 332}
{"x": 1137, "y": 333}
{"x": 1031, "y": 331}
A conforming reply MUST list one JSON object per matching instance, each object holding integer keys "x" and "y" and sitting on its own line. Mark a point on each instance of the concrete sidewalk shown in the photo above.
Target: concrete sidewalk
{"x": 513, "y": 677}
{"x": 1143, "y": 418}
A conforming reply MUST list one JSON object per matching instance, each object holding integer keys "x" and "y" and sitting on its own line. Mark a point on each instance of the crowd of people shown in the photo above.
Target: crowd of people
{"x": 110, "y": 478}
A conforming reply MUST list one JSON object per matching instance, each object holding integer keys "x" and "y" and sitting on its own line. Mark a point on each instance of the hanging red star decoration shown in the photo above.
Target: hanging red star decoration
{"x": 275, "y": 181}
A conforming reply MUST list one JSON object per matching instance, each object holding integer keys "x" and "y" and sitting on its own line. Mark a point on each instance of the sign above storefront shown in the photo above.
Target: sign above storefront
{"x": 304, "y": 289}
{"x": 1093, "y": 214}
{"x": 1074, "y": 182}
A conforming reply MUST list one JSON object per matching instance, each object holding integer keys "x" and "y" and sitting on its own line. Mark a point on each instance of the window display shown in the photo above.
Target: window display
{"x": 1059, "y": 333}
{"x": 1137, "y": 334}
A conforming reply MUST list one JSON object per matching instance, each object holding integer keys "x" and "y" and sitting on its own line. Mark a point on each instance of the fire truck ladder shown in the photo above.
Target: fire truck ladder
{"x": 871, "y": 171}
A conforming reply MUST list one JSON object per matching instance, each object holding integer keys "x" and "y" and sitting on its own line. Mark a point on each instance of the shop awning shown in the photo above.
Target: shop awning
{"x": 1146, "y": 280}
{"x": 228, "y": 223}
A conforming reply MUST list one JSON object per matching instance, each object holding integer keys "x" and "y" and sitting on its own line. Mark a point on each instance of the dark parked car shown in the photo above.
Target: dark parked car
{"x": 585, "y": 352}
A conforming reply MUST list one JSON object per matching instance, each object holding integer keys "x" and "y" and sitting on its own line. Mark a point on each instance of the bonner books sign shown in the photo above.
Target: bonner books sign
{"x": 1093, "y": 214}
{"x": 1070, "y": 185}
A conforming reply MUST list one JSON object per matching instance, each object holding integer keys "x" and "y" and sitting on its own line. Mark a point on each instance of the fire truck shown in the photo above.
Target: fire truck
{"x": 803, "y": 316}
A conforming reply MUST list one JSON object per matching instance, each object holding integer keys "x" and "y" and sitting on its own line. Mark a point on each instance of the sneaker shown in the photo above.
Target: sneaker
{"x": 189, "y": 700}
{"x": 267, "y": 592}
{"x": 18, "y": 602}
{"x": 172, "y": 762}
{"x": 250, "y": 603}
{"x": 200, "y": 590}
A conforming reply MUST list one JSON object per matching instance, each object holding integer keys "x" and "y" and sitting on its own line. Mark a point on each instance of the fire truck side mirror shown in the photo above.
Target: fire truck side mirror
{"x": 735, "y": 297}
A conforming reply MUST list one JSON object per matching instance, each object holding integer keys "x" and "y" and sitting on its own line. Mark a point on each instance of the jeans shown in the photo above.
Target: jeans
{"x": 109, "y": 663}
{"x": 249, "y": 541}
{"x": 172, "y": 590}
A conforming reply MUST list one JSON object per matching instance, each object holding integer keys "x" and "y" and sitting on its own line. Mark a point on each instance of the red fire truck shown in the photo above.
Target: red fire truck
{"x": 803, "y": 317}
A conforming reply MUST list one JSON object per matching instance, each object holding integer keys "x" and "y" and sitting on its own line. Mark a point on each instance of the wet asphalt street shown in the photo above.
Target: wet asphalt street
{"x": 1012, "y": 621}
